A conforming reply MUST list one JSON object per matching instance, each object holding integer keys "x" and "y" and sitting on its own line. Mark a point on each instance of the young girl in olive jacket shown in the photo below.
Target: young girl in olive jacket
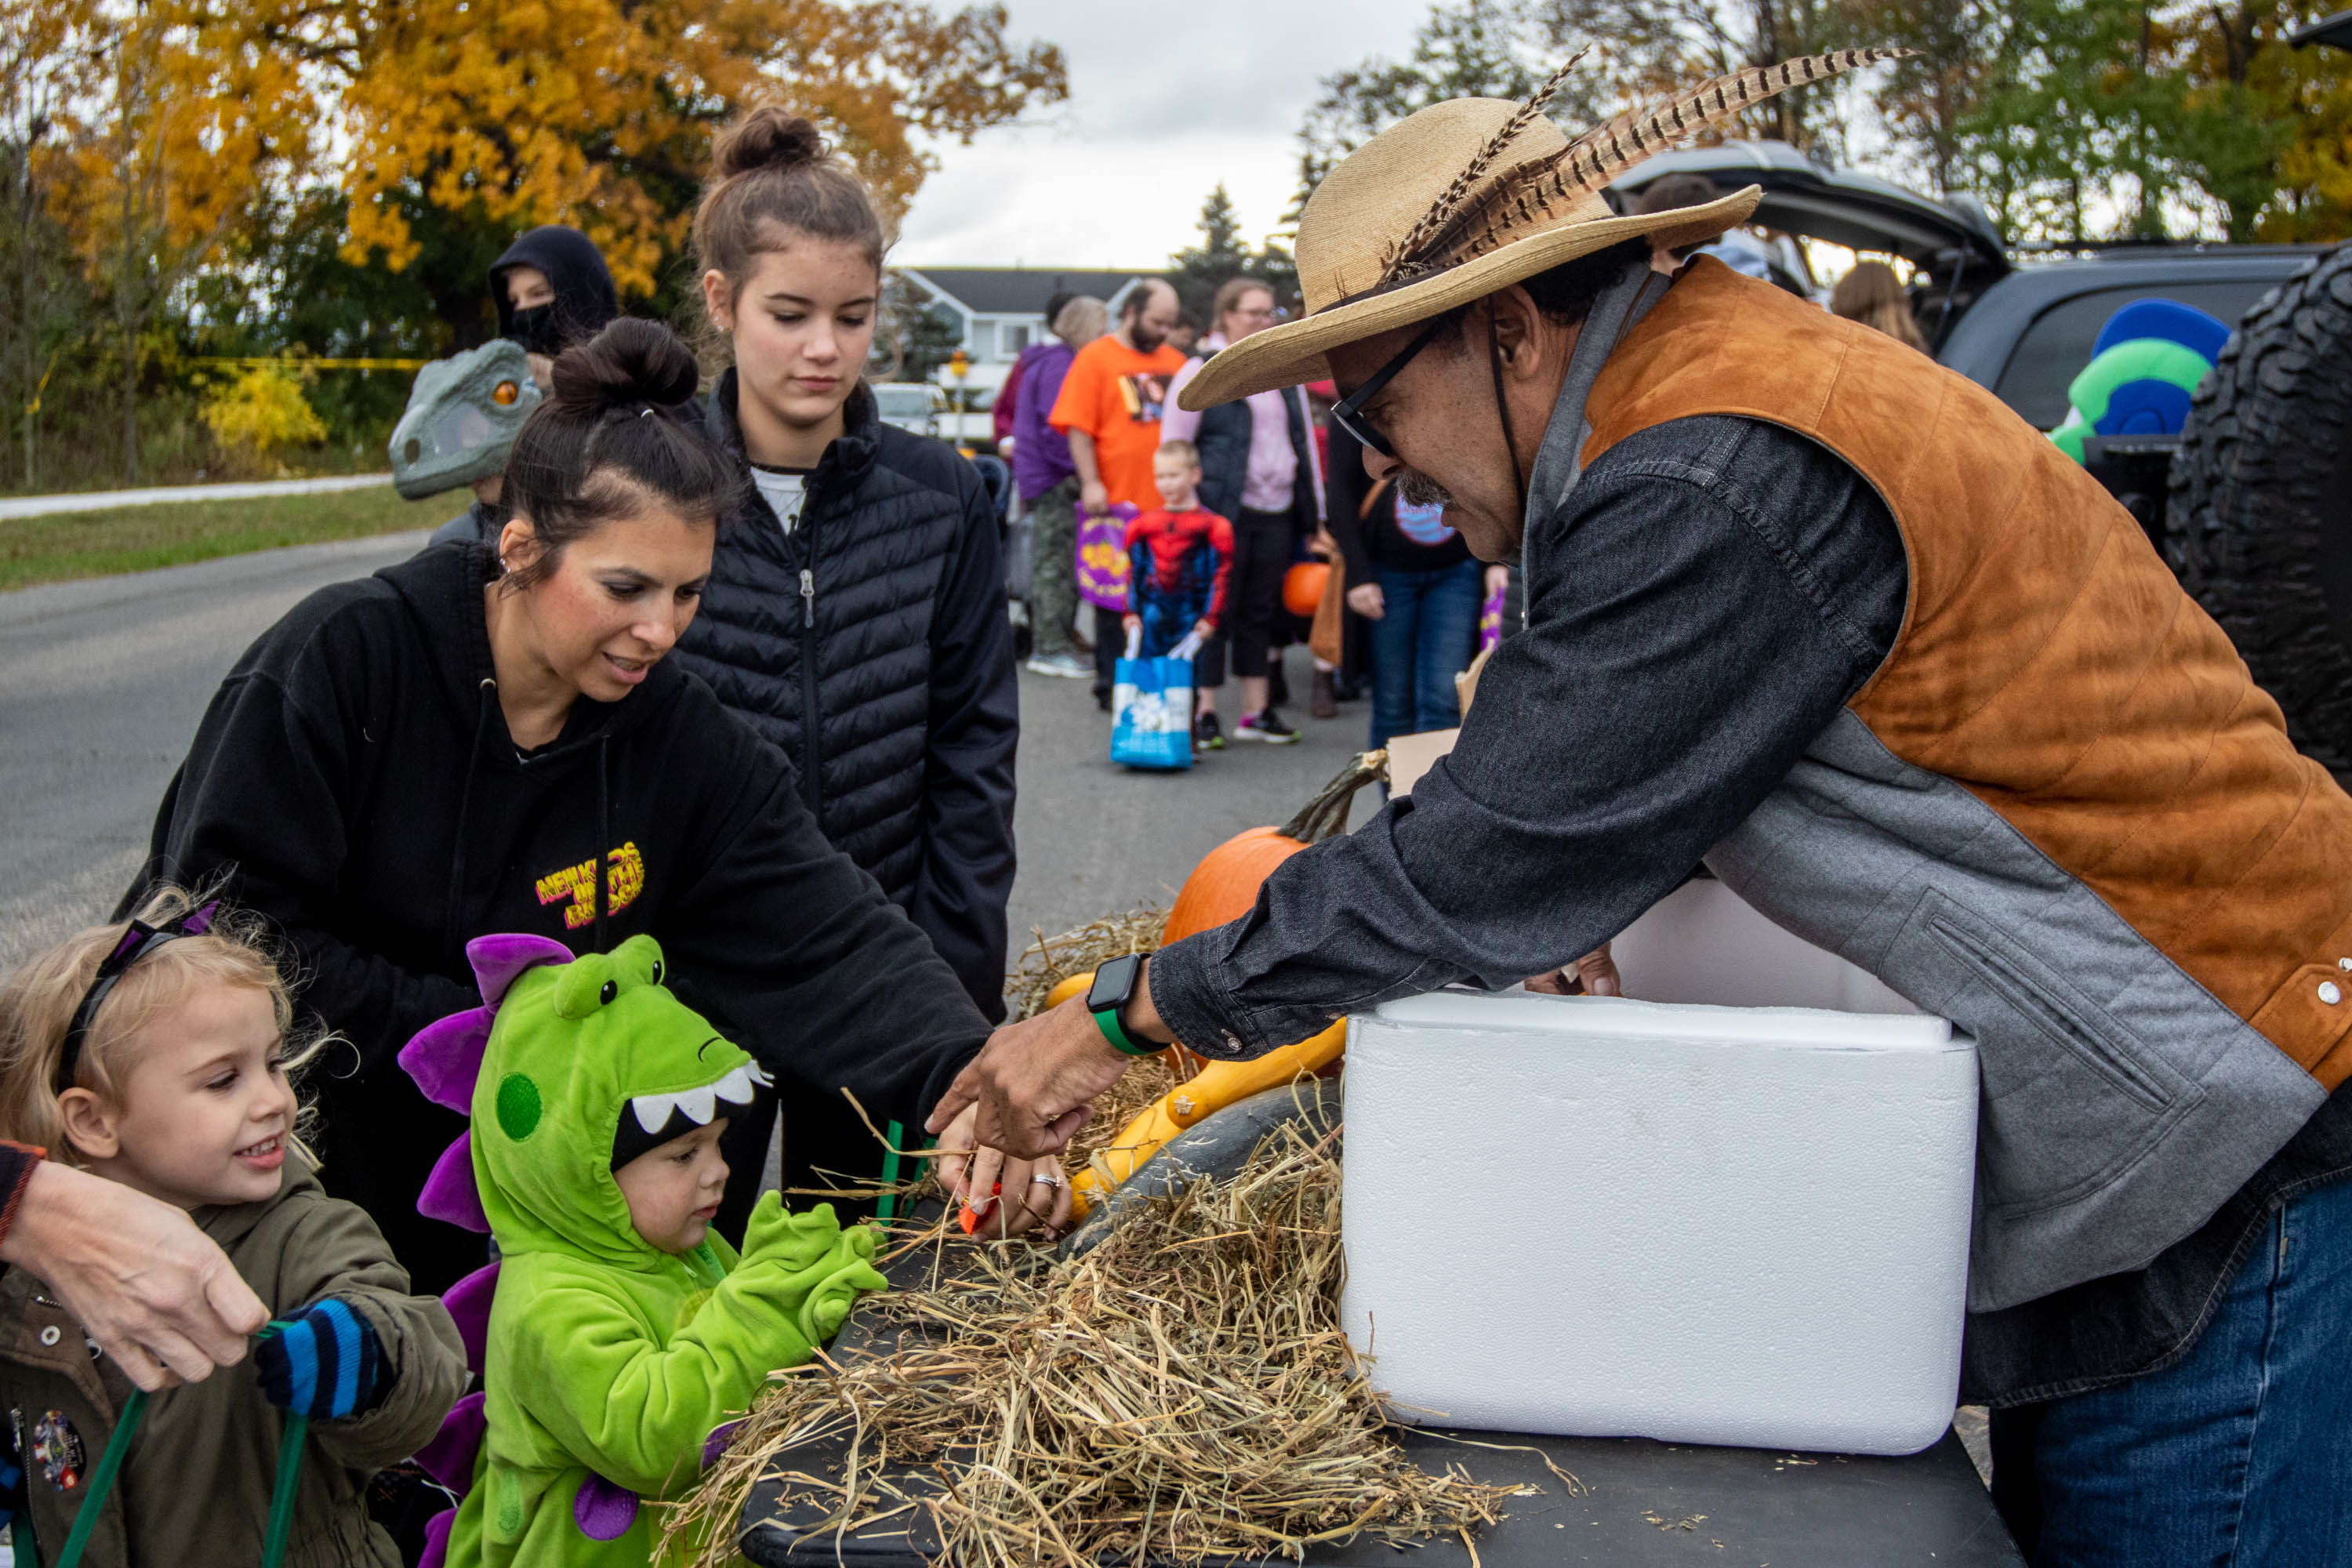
{"x": 155, "y": 1053}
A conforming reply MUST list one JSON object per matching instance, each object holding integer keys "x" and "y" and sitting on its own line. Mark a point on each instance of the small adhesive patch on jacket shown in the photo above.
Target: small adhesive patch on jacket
{"x": 57, "y": 1452}
{"x": 519, "y": 1106}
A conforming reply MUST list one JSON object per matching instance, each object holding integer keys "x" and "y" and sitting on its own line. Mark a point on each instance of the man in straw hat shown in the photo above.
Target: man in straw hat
{"x": 1808, "y": 608}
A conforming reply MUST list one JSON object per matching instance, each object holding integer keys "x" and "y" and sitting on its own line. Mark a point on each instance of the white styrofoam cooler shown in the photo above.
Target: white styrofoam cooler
{"x": 1599, "y": 1217}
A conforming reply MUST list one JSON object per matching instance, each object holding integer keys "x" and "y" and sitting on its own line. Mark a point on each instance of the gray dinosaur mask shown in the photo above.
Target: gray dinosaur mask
{"x": 461, "y": 420}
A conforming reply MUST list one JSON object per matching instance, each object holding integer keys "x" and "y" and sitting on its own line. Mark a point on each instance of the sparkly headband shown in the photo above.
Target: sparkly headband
{"x": 137, "y": 943}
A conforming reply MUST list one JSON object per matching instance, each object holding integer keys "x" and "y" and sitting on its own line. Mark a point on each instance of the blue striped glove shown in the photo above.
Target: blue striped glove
{"x": 324, "y": 1364}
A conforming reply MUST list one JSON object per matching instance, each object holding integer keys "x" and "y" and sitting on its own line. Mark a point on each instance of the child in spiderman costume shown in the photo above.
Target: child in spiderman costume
{"x": 1179, "y": 559}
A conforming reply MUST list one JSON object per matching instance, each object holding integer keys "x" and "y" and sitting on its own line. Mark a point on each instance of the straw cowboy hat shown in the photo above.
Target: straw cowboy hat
{"x": 1465, "y": 198}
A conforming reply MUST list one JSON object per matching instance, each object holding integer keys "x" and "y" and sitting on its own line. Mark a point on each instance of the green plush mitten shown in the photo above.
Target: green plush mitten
{"x": 829, "y": 1303}
{"x": 791, "y": 1241}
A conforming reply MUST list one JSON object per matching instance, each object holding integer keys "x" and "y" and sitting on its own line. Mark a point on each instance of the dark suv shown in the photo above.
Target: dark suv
{"x": 2251, "y": 503}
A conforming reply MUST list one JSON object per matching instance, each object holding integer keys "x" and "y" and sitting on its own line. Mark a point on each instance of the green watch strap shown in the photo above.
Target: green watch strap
{"x": 1108, "y": 1022}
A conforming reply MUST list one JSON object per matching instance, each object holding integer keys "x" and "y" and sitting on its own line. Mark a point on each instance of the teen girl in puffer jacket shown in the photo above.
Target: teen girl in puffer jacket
{"x": 856, "y": 615}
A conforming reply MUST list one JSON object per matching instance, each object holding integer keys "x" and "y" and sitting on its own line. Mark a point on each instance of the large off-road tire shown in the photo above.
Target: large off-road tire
{"x": 2259, "y": 526}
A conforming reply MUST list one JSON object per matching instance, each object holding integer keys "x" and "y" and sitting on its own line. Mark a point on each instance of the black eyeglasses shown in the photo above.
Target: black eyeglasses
{"x": 1348, "y": 413}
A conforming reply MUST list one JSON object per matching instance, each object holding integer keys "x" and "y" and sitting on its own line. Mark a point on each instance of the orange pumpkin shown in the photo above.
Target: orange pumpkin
{"x": 1224, "y": 887}
{"x": 1302, "y": 588}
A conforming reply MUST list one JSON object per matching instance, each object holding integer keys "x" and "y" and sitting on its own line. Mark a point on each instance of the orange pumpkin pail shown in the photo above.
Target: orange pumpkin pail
{"x": 1302, "y": 588}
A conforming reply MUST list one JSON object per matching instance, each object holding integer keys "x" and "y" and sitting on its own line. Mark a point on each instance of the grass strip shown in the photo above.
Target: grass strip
{"x": 63, "y": 546}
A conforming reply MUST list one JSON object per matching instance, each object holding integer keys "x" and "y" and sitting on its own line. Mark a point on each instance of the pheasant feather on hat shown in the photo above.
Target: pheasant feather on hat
{"x": 1466, "y": 198}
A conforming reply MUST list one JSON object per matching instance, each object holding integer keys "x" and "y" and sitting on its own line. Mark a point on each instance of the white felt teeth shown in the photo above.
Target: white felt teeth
{"x": 654, "y": 1111}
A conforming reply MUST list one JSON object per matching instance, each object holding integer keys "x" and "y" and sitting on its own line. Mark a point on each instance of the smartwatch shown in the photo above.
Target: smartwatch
{"x": 1114, "y": 987}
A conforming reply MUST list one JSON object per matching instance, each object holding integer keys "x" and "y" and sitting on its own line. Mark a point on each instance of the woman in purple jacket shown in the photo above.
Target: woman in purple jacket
{"x": 1048, "y": 483}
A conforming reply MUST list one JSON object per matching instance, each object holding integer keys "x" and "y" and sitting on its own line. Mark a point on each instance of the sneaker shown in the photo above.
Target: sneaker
{"x": 1067, "y": 665}
{"x": 1208, "y": 735}
{"x": 1267, "y": 726}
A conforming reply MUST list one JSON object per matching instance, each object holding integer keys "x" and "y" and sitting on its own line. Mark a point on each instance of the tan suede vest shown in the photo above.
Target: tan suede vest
{"x": 2048, "y": 661}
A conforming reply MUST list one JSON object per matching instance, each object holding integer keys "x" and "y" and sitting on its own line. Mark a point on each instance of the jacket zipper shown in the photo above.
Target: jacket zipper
{"x": 810, "y": 717}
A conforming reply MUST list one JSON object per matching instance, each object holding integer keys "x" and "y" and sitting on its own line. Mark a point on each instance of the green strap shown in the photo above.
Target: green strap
{"x": 101, "y": 1480}
{"x": 135, "y": 1409}
{"x": 887, "y": 1209}
{"x": 289, "y": 1477}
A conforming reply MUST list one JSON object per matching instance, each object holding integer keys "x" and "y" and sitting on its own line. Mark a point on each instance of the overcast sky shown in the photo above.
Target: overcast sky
{"x": 1165, "y": 101}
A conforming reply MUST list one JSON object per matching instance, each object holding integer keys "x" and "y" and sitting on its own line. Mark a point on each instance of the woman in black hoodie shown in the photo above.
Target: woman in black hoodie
{"x": 481, "y": 740}
{"x": 856, "y": 611}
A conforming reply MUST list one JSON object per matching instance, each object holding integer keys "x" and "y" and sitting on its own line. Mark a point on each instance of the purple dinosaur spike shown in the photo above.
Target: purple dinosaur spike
{"x": 436, "y": 1540}
{"x": 469, "y": 1301}
{"x": 604, "y": 1511}
{"x": 497, "y": 960}
{"x": 446, "y": 1058}
{"x": 449, "y": 1456}
{"x": 450, "y": 1192}
{"x": 716, "y": 1444}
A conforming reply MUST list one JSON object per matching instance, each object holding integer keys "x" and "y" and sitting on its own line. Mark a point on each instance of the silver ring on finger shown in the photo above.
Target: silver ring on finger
{"x": 1049, "y": 1180}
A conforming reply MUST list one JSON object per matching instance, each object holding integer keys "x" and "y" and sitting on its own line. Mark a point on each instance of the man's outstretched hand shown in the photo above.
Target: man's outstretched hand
{"x": 148, "y": 1286}
{"x": 1034, "y": 1083}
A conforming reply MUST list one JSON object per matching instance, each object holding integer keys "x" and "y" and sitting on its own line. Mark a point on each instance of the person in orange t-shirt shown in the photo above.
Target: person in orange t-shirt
{"x": 1109, "y": 409}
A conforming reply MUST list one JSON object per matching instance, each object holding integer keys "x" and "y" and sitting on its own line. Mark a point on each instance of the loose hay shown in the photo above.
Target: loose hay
{"x": 1048, "y": 960}
{"x": 1181, "y": 1392}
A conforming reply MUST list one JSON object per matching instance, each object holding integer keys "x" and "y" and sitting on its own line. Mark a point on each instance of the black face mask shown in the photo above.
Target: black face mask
{"x": 534, "y": 327}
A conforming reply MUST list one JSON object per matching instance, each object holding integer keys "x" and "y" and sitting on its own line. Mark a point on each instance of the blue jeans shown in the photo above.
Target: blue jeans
{"x": 2240, "y": 1454}
{"x": 1427, "y": 633}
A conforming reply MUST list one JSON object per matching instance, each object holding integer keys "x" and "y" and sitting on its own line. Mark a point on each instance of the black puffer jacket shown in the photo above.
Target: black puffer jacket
{"x": 883, "y": 615}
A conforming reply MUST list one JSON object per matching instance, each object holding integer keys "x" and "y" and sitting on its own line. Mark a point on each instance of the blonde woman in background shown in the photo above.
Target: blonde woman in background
{"x": 1873, "y": 296}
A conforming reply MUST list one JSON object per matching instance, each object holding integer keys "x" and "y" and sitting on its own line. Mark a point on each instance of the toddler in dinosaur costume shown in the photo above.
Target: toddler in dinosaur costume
{"x": 622, "y": 1332}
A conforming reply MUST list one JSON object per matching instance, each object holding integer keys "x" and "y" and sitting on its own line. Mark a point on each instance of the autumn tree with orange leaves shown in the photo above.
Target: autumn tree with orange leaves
{"x": 173, "y": 146}
{"x": 600, "y": 113}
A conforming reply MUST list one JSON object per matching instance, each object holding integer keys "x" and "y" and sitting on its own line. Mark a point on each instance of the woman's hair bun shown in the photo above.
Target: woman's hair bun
{"x": 631, "y": 361}
{"x": 769, "y": 137}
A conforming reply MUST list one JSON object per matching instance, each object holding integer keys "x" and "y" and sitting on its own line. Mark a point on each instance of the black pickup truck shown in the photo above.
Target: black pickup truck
{"x": 2251, "y": 503}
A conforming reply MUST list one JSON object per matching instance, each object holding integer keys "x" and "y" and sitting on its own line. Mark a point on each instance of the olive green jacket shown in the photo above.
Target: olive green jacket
{"x": 195, "y": 1490}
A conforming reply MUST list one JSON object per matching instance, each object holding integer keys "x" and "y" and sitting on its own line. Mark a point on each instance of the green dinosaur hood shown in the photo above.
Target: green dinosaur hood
{"x": 575, "y": 1048}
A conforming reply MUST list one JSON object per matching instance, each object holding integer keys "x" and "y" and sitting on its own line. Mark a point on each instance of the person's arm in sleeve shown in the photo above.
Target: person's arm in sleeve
{"x": 1005, "y": 409}
{"x": 1346, "y": 484}
{"x": 333, "y": 1254}
{"x": 1181, "y": 424}
{"x": 17, "y": 1161}
{"x": 796, "y": 955}
{"x": 974, "y": 723}
{"x": 1313, "y": 478}
{"x": 639, "y": 1412}
{"x": 1220, "y": 541}
{"x": 261, "y": 799}
{"x": 1669, "y": 678}
{"x": 1077, "y": 413}
{"x": 1138, "y": 565}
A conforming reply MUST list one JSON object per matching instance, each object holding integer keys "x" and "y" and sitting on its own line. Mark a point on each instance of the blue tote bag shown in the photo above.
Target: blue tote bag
{"x": 1152, "y": 699}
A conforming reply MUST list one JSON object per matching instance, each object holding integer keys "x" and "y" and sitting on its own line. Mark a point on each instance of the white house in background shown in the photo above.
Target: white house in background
{"x": 1002, "y": 310}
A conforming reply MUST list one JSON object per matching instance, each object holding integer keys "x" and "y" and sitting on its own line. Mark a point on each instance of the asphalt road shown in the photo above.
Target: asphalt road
{"x": 106, "y": 680}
